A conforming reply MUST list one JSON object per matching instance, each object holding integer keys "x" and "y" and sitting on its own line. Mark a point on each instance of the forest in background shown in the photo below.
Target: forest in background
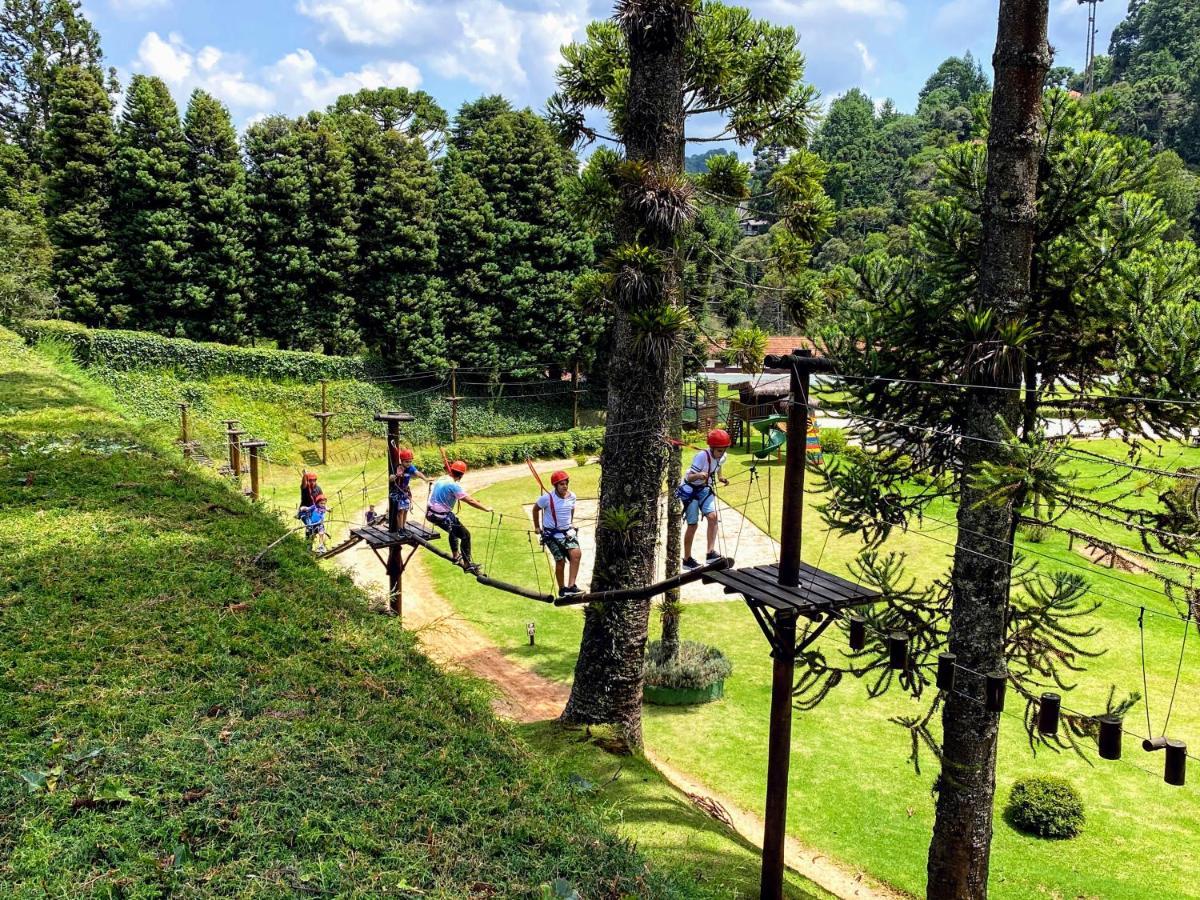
{"x": 384, "y": 225}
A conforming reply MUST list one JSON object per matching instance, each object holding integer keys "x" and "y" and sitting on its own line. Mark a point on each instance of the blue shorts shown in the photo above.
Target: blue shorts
{"x": 403, "y": 500}
{"x": 706, "y": 505}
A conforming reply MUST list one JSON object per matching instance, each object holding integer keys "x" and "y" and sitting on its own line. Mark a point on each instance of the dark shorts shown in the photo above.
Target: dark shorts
{"x": 560, "y": 546}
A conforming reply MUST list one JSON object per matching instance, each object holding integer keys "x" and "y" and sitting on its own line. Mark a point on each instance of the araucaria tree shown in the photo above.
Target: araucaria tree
{"x": 78, "y": 150}
{"x": 1042, "y": 266}
{"x": 149, "y": 224}
{"x": 218, "y": 262}
{"x": 658, "y": 63}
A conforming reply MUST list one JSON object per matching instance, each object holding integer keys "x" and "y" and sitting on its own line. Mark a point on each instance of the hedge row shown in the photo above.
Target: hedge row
{"x": 514, "y": 450}
{"x": 138, "y": 350}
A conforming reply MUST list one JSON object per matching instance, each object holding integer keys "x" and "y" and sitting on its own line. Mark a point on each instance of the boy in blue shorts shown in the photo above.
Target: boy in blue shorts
{"x": 401, "y": 485}
{"x": 699, "y": 498}
{"x": 446, "y": 494}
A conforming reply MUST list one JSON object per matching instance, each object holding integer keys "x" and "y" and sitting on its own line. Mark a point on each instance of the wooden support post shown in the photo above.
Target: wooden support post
{"x": 395, "y": 563}
{"x": 184, "y": 438}
{"x": 323, "y": 417}
{"x": 454, "y": 404}
{"x": 779, "y": 754}
{"x": 575, "y": 396}
{"x": 235, "y": 454}
{"x": 253, "y": 446}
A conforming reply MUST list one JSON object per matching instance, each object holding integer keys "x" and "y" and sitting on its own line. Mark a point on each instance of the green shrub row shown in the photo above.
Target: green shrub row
{"x": 137, "y": 351}
{"x": 561, "y": 445}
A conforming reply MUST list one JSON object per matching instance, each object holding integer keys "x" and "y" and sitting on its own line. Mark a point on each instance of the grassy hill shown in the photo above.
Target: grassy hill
{"x": 177, "y": 721}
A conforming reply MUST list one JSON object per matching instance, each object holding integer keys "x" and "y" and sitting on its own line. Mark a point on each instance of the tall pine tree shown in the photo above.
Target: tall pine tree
{"x": 36, "y": 37}
{"x": 395, "y": 188}
{"x": 218, "y": 264}
{"x": 148, "y": 210}
{"x": 78, "y": 150}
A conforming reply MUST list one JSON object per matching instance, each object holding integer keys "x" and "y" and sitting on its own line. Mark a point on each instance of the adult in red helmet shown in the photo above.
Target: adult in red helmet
{"x": 400, "y": 489}
{"x": 698, "y": 495}
{"x": 553, "y": 516}
{"x": 446, "y": 494}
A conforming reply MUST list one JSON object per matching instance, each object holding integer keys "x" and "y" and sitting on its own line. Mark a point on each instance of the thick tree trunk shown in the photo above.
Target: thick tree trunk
{"x": 962, "y": 834}
{"x": 671, "y": 607}
{"x": 608, "y": 674}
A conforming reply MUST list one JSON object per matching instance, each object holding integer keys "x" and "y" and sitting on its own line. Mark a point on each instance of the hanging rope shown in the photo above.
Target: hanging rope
{"x": 1187, "y": 626}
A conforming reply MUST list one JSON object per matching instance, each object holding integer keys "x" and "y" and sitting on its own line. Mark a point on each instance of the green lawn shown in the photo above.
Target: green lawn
{"x": 854, "y": 795}
{"x": 178, "y": 722}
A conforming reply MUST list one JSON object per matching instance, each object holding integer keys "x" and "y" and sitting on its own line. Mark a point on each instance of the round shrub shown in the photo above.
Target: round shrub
{"x": 1046, "y": 806}
{"x": 697, "y": 666}
{"x": 833, "y": 440}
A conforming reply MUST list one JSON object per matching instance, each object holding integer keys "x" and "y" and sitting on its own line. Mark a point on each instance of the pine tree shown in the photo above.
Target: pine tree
{"x": 395, "y": 188}
{"x": 78, "y": 151}
{"x": 37, "y": 37}
{"x": 149, "y": 220}
{"x": 538, "y": 250}
{"x": 470, "y": 277}
{"x": 25, "y": 253}
{"x": 218, "y": 264}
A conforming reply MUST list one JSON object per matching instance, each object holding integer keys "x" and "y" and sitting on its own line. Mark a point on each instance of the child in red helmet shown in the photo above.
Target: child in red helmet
{"x": 558, "y": 531}
{"x": 446, "y": 493}
{"x": 699, "y": 498}
{"x": 308, "y": 490}
{"x": 314, "y": 521}
{"x": 400, "y": 489}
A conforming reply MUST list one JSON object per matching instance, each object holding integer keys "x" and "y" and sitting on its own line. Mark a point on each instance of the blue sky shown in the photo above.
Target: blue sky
{"x": 264, "y": 56}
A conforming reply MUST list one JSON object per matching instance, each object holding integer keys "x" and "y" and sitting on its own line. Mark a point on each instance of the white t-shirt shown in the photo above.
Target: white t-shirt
{"x": 704, "y": 462}
{"x": 557, "y": 512}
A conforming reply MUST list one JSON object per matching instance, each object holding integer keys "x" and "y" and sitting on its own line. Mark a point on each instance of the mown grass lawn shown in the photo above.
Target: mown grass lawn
{"x": 178, "y": 722}
{"x": 854, "y": 793}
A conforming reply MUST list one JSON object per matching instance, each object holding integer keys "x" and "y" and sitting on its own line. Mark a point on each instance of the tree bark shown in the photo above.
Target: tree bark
{"x": 960, "y": 849}
{"x": 607, "y": 688}
{"x": 671, "y": 608}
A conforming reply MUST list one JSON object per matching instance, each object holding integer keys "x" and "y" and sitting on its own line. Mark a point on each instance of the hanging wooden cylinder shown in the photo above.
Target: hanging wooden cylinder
{"x": 1048, "y": 711}
{"x": 858, "y": 632}
{"x": 994, "y": 692}
{"x": 1175, "y": 769}
{"x": 1110, "y": 737}
{"x": 1154, "y": 743}
{"x": 898, "y": 650}
{"x": 945, "y": 673}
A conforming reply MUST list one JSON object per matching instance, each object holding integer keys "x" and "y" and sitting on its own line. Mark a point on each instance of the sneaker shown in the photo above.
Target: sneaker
{"x": 472, "y": 568}
{"x": 570, "y": 589}
{"x": 689, "y": 563}
{"x": 712, "y": 557}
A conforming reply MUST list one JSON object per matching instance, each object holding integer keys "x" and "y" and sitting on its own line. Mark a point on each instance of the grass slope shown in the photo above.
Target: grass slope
{"x": 854, "y": 794}
{"x": 177, "y": 722}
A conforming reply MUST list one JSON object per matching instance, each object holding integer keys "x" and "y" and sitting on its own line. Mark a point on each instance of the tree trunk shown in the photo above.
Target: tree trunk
{"x": 959, "y": 851}
{"x": 608, "y": 673}
{"x": 671, "y": 608}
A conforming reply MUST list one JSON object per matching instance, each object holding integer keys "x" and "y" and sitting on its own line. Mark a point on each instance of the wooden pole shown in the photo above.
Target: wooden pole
{"x": 324, "y": 422}
{"x": 454, "y": 404}
{"x": 779, "y": 746}
{"x": 779, "y": 755}
{"x": 253, "y": 446}
{"x": 235, "y": 454}
{"x": 395, "y": 565}
{"x": 184, "y": 438}
{"x": 575, "y": 396}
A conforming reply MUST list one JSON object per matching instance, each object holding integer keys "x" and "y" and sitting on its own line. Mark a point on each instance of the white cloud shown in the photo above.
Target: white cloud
{"x": 309, "y": 85}
{"x": 210, "y": 69}
{"x": 137, "y": 6}
{"x": 868, "y": 61}
{"x": 488, "y": 49}
{"x": 881, "y": 10}
{"x": 370, "y": 22}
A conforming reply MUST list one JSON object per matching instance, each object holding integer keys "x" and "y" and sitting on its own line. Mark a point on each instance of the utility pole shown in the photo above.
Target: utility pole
{"x": 1089, "y": 81}
{"x": 454, "y": 404}
{"x": 253, "y": 446}
{"x": 575, "y": 396}
{"x": 184, "y": 440}
{"x": 323, "y": 417}
{"x": 395, "y": 567}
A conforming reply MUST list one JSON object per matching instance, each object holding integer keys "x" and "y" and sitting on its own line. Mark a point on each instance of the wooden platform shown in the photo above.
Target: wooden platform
{"x": 819, "y": 592}
{"x": 377, "y": 538}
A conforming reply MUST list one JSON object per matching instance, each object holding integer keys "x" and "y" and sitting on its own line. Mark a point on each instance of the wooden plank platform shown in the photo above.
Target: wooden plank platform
{"x": 377, "y": 538}
{"x": 818, "y": 592}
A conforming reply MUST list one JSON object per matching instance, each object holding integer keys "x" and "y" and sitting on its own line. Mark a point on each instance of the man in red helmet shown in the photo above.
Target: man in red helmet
{"x": 558, "y": 531}
{"x": 446, "y": 494}
{"x": 699, "y": 498}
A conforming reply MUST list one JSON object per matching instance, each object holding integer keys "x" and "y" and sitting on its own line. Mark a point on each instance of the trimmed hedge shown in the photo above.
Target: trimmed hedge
{"x": 139, "y": 351}
{"x": 697, "y": 667}
{"x": 1046, "y": 806}
{"x": 477, "y": 455}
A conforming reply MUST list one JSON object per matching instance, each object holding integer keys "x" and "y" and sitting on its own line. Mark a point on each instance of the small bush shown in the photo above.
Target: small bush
{"x": 698, "y": 666}
{"x": 833, "y": 440}
{"x": 1035, "y": 534}
{"x": 856, "y": 454}
{"x": 1046, "y": 806}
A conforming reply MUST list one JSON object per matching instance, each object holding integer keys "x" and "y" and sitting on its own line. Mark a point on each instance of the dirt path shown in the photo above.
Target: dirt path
{"x": 524, "y": 696}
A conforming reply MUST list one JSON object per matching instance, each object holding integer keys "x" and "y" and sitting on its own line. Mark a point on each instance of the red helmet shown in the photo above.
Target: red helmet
{"x": 718, "y": 438}
{"x": 559, "y": 476}
{"x": 458, "y": 466}
{"x": 406, "y": 455}
{"x": 320, "y": 498}
{"x": 310, "y": 477}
